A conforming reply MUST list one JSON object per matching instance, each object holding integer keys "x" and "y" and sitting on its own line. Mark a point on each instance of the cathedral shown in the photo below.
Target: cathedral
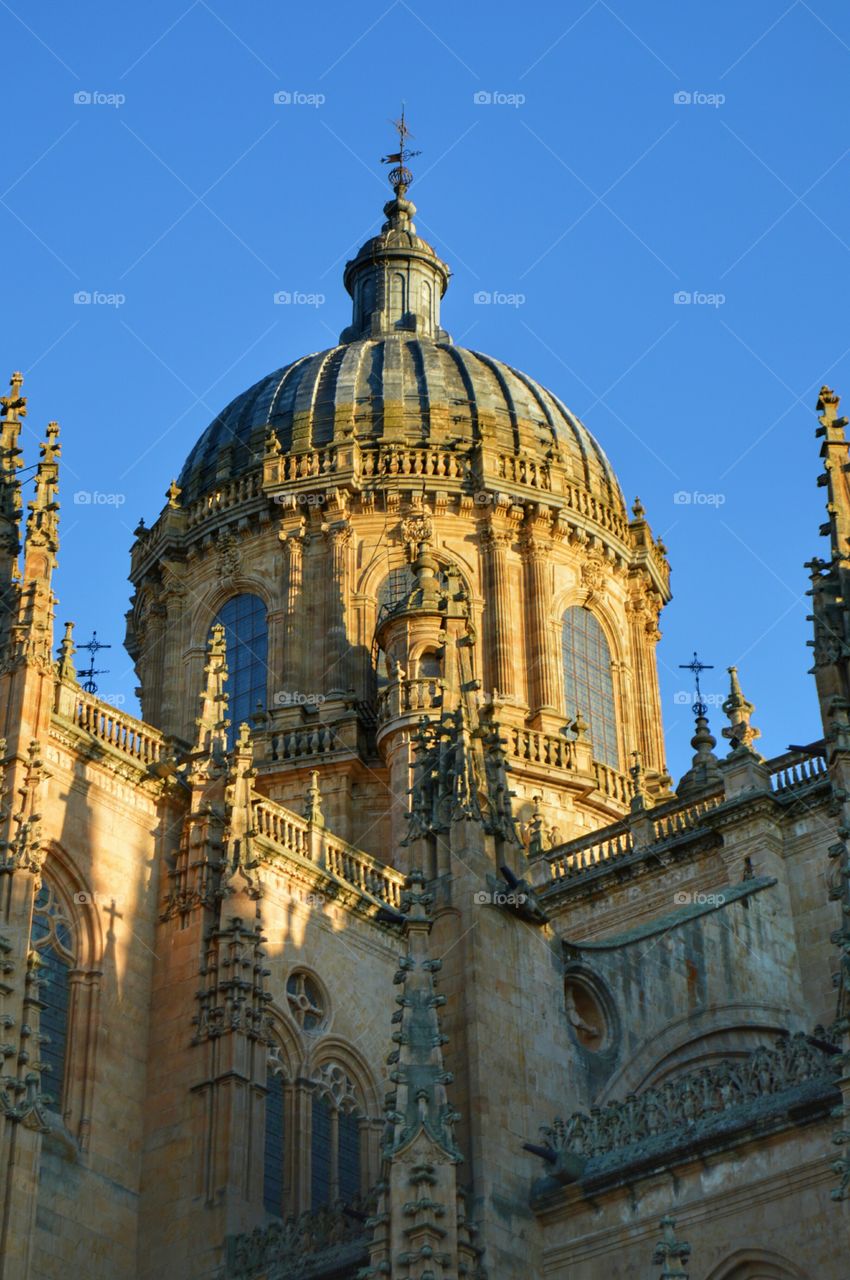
{"x": 383, "y": 945}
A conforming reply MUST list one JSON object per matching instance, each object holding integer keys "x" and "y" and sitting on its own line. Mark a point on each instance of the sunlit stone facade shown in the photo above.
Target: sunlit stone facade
{"x": 384, "y": 944}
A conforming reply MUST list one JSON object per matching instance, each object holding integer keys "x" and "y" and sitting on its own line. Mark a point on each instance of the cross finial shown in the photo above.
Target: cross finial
{"x": 14, "y": 406}
{"x": 697, "y": 668}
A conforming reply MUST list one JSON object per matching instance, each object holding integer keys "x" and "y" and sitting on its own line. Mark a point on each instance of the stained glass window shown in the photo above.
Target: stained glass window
{"x": 320, "y": 1152}
{"x": 52, "y": 937}
{"x": 246, "y": 643}
{"x": 349, "y": 1156}
{"x": 588, "y": 684}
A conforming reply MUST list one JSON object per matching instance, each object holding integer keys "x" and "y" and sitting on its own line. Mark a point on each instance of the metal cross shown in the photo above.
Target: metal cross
{"x": 94, "y": 646}
{"x": 400, "y": 176}
{"x": 697, "y": 668}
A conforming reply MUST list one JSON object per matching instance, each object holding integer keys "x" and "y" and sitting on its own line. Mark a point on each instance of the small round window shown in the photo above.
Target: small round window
{"x": 307, "y": 1002}
{"x": 586, "y": 1014}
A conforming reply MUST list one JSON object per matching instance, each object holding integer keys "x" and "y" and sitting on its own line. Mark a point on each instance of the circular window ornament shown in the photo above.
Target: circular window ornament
{"x": 586, "y": 1013}
{"x": 307, "y": 1002}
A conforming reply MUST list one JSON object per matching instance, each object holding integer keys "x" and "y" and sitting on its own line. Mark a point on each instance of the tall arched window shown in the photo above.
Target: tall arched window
{"x": 274, "y": 1145}
{"x": 588, "y": 684}
{"x": 52, "y": 937}
{"x": 335, "y": 1148}
{"x": 246, "y": 639}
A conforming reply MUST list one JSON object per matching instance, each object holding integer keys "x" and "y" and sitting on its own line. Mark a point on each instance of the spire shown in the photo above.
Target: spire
{"x": 670, "y": 1253}
{"x": 738, "y": 710}
{"x": 212, "y": 723}
{"x": 313, "y": 803}
{"x": 67, "y": 650}
{"x": 43, "y": 518}
{"x": 421, "y": 1227}
{"x": 834, "y": 477}
{"x": 239, "y": 811}
{"x": 397, "y": 280}
{"x": 704, "y": 773}
{"x": 13, "y": 408}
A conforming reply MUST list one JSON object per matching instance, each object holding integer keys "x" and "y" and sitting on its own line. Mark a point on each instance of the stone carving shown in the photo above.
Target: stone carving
{"x": 25, "y": 851}
{"x": 679, "y": 1103}
{"x": 670, "y": 1253}
{"x": 306, "y": 1001}
{"x": 740, "y": 733}
{"x": 295, "y": 1247}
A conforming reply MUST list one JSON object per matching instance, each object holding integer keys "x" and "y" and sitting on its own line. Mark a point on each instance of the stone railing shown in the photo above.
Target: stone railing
{"x": 801, "y": 771}
{"x": 140, "y": 742}
{"x": 294, "y": 837}
{"x": 233, "y": 493}
{"x": 334, "y": 1240}
{"x": 521, "y": 469}
{"x": 532, "y": 747}
{"x": 407, "y": 697}
{"x": 287, "y": 468}
{"x": 589, "y": 853}
{"x": 616, "y": 786}
{"x": 400, "y": 460}
{"x": 687, "y": 818}
{"x": 301, "y": 743}
{"x": 675, "y": 1106}
{"x": 586, "y": 504}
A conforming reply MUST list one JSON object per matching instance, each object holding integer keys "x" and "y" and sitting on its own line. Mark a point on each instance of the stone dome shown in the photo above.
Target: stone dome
{"x": 396, "y": 379}
{"x": 401, "y": 389}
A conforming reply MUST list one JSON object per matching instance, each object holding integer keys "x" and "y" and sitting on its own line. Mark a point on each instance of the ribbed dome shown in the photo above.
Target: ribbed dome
{"x": 404, "y": 389}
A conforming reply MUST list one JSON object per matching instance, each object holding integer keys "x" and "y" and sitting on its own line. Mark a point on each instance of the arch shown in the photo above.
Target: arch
{"x": 244, "y": 617}
{"x": 677, "y": 1046}
{"x": 586, "y": 666}
{"x": 206, "y": 610}
{"x": 334, "y": 1049}
{"x": 398, "y": 295}
{"x": 757, "y": 1264}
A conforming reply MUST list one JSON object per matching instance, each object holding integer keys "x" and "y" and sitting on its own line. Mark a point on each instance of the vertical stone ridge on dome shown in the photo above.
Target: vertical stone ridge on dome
{"x": 504, "y": 386}
{"x": 457, "y": 356}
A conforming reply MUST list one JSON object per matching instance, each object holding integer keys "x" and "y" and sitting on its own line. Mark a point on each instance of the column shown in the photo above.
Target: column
{"x": 500, "y": 643}
{"x": 542, "y": 682}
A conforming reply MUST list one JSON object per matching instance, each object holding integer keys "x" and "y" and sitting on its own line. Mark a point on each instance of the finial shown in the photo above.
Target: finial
{"x": 212, "y": 724}
{"x": 272, "y": 446}
{"x": 66, "y": 654}
{"x": 43, "y": 519}
{"x": 670, "y": 1253}
{"x": 638, "y": 775}
{"x": 313, "y": 805}
{"x": 638, "y": 509}
{"x": 87, "y": 677}
{"x": 697, "y": 668}
{"x": 400, "y": 176}
{"x": 580, "y": 727}
{"x": 535, "y": 830}
{"x": 172, "y": 493}
{"x": 14, "y": 406}
{"x": 740, "y": 733}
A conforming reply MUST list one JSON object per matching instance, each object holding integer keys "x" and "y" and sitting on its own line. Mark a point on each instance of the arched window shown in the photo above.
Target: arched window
{"x": 335, "y": 1147}
{"x": 52, "y": 937}
{"x": 246, "y": 639}
{"x": 274, "y": 1146}
{"x": 588, "y": 684}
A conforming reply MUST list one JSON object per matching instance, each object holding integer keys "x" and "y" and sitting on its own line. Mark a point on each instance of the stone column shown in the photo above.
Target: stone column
{"x": 336, "y": 675}
{"x": 500, "y": 641}
{"x": 646, "y": 699}
{"x": 290, "y": 670}
{"x": 542, "y": 682}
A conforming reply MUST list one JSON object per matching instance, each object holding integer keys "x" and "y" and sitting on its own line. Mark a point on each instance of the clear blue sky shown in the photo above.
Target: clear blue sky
{"x": 597, "y": 198}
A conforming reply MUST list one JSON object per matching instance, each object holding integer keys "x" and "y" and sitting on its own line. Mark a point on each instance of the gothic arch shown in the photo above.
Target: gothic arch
{"x": 677, "y": 1046}
{"x": 81, "y": 995}
{"x": 622, "y": 729}
{"x": 573, "y": 597}
{"x": 334, "y": 1049}
{"x": 757, "y": 1264}
{"x": 286, "y": 1038}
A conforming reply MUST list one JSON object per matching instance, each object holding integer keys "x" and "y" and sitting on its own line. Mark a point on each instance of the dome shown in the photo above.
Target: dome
{"x": 397, "y": 388}
{"x": 397, "y": 379}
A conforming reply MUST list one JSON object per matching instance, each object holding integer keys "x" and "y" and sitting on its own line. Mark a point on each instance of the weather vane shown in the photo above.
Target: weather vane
{"x": 94, "y": 646}
{"x": 400, "y": 176}
{"x": 697, "y": 667}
